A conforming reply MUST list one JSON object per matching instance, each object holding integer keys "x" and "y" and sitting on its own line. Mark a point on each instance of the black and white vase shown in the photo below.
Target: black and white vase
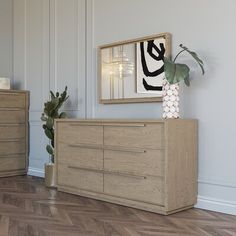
{"x": 170, "y": 100}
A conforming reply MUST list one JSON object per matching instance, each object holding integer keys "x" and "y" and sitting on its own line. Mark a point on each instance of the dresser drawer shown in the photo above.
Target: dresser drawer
{"x": 12, "y": 100}
{"x": 12, "y": 116}
{"x": 148, "y": 162}
{"x": 75, "y": 133}
{"x": 12, "y": 163}
{"x": 150, "y": 189}
{"x": 12, "y": 147}
{"x": 79, "y": 178}
{"x": 81, "y": 155}
{"x": 140, "y": 136}
{"x": 12, "y": 131}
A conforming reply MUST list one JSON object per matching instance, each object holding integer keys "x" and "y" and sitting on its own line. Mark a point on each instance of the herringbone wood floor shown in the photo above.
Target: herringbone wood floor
{"x": 28, "y": 208}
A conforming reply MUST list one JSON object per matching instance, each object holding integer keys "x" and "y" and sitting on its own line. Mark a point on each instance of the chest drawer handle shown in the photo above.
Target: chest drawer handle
{"x": 125, "y": 125}
{"x": 108, "y": 172}
{"x": 123, "y": 149}
{"x": 85, "y": 146}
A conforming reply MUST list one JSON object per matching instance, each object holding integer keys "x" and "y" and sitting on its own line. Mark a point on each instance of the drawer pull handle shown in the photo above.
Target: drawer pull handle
{"x": 125, "y": 125}
{"x": 123, "y": 149}
{"x": 85, "y": 124}
{"x": 11, "y": 109}
{"x": 108, "y": 172}
{"x": 12, "y": 125}
{"x": 124, "y": 174}
{"x": 111, "y": 148}
{"x": 12, "y": 140}
{"x": 11, "y": 155}
{"x": 85, "y": 146}
{"x": 105, "y": 124}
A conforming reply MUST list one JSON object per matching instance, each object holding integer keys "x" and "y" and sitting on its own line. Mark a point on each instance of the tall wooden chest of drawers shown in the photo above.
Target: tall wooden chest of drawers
{"x": 13, "y": 132}
{"x": 146, "y": 164}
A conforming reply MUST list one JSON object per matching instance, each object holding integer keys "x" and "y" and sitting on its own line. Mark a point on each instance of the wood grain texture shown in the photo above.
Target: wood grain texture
{"x": 181, "y": 163}
{"x": 148, "y": 164}
{"x": 86, "y": 157}
{"x": 148, "y": 189}
{"x": 80, "y": 178}
{"x": 12, "y": 99}
{"x": 74, "y": 133}
{"x": 148, "y": 136}
{"x": 12, "y": 163}
{"x": 27, "y": 208}
{"x": 12, "y": 131}
{"x": 14, "y": 106}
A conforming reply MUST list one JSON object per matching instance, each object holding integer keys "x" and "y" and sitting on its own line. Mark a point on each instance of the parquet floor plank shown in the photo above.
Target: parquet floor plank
{"x": 27, "y": 208}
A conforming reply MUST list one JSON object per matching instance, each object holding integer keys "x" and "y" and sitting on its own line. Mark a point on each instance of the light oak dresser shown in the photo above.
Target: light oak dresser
{"x": 146, "y": 164}
{"x": 13, "y": 132}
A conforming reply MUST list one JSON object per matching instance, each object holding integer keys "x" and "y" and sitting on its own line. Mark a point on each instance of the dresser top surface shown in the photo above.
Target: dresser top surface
{"x": 7, "y": 91}
{"x": 125, "y": 120}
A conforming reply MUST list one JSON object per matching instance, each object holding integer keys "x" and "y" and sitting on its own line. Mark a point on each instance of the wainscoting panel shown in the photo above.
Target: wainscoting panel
{"x": 49, "y": 53}
{"x": 67, "y": 52}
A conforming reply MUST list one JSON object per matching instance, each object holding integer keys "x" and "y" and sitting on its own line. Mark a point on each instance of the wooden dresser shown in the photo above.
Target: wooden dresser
{"x": 146, "y": 164}
{"x": 13, "y": 132}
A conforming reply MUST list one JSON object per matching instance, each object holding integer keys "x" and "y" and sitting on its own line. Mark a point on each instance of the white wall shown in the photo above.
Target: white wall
{"x": 208, "y": 28}
{"x": 48, "y": 58}
{"x": 6, "y": 38}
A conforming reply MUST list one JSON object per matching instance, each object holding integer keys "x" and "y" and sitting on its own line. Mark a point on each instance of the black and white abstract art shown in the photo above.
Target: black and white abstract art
{"x": 150, "y": 66}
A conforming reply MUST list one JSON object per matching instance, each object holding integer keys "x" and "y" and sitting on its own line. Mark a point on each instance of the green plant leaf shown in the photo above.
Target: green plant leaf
{"x": 49, "y": 150}
{"x": 63, "y": 115}
{"x": 195, "y": 56}
{"x": 187, "y": 81}
{"x": 52, "y": 95}
{"x": 48, "y": 133}
{"x": 175, "y": 72}
{"x": 49, "y": 123}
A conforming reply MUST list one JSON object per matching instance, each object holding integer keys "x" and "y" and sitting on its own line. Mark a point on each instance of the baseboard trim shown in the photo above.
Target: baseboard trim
{"x": 218, "y": 205}
{"x": 36, "y": 172}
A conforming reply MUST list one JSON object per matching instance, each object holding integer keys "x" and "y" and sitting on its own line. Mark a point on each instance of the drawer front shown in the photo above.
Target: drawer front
{"x": 12, "y": 147}
{"x": 12, "y": 163}
{"x": 74, "y": 133}
{"x": 12, "y": 132}
{"x": 12, "y": 100}
{"x": 147, "y": 136}
{"x": 12, "y": 117}
{"x": 79, "y": 178}
{"x": 150, "y": 162}
{"x": 83, "y": 156}
{"x": 150, "y": 190}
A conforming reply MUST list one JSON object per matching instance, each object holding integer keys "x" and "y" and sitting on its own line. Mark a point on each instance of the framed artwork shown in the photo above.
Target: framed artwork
{"x": 150, "y": 66}
{"x": 133, "y": 71}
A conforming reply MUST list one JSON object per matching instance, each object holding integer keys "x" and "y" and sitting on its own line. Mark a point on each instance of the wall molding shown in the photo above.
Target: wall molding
{"x": 214, "y": 204}
{"x": 90, "y": 64}
{"x": 36, "y": 172}
{"x": 219, "y": 183}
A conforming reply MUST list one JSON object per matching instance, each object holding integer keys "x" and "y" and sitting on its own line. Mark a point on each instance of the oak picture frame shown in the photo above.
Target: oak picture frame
{"x": 131, "y": 42}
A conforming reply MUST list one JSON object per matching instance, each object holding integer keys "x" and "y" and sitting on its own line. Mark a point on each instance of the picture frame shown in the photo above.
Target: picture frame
{"x": 132, "y": 71}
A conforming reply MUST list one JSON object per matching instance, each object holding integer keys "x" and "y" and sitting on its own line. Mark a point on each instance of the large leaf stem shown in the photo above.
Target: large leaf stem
{"x": 178, "y": 54}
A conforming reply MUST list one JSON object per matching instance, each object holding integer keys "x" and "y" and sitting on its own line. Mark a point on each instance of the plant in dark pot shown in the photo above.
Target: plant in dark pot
{"x": 52, "y": 112}
{"x": 174, "y": 74}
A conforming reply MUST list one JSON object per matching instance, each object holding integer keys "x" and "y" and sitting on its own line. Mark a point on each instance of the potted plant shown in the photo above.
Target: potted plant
{"x": 175, "y": 73}
{"x": 51, "y": 112}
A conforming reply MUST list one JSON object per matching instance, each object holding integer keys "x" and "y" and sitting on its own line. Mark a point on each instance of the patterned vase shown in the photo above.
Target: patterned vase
{"x": 170, "y": 100}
